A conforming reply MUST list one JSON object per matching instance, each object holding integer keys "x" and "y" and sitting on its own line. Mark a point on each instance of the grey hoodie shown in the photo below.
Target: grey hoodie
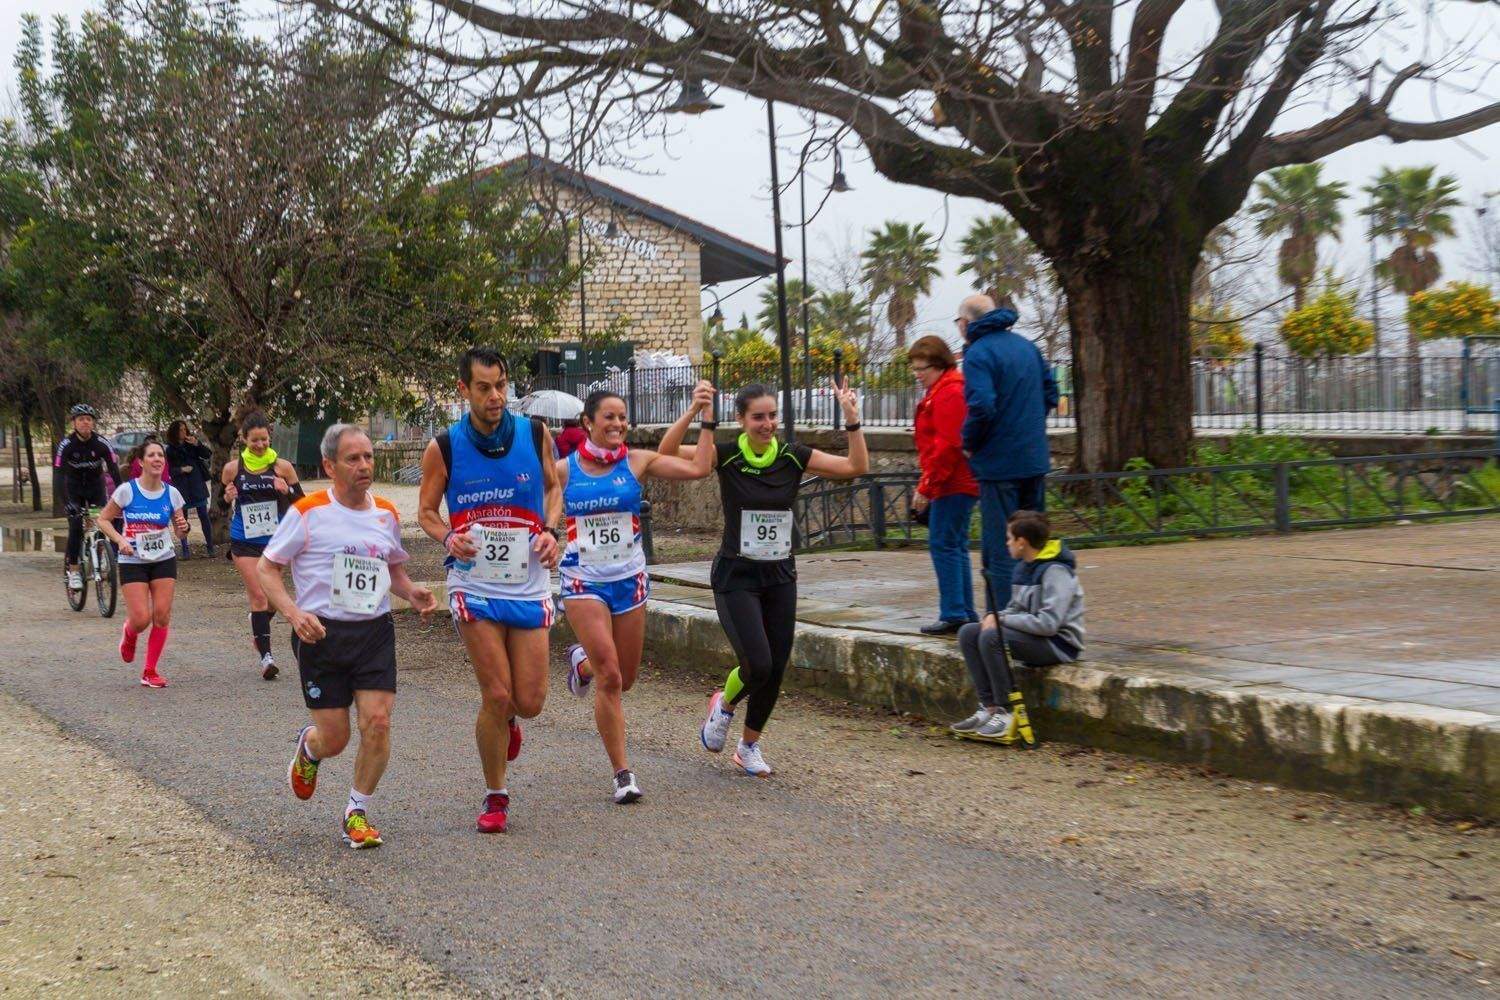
{"x": 1046, "y": 599}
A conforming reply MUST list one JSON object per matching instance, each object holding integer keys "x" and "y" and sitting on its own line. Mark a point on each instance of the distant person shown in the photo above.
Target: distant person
{"x": 946, "y": 490}
{"x": 571, "y": 438}
{"x": 1009, "y": 389}
{"x": 1041, "y": 625}
{"x": 188, "y": 458}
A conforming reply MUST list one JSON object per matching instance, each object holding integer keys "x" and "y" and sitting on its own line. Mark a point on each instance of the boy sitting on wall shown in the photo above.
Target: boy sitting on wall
{"x": 1042, "y": 625}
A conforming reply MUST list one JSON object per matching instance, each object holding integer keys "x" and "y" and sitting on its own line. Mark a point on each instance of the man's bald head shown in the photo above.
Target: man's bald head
{"x": 975, "y": 306}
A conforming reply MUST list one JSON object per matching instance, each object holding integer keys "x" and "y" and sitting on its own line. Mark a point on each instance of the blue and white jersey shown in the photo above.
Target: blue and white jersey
{"x": 604, "y": 524}
{"x": 148, "y": 521}
{"x": 498, "y": 500}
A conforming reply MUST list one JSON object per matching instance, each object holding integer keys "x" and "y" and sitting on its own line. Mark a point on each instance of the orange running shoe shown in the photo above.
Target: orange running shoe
{"x": 302, "y": 772}
{"x": 358, "y": 833}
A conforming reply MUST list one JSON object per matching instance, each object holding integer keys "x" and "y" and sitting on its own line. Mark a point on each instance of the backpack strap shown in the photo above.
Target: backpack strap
{"x": 538, "y": 425}
{"x": 445, "y": 448}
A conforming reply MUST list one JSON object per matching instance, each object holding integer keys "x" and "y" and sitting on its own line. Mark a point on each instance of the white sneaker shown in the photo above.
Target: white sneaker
{"x": 268, "y": 668}
{"x": 577, "y": 683}
{"x": 75, "y": 580}
{"x": 626, "y": 789}
{"x": 716, "y": 727}
{"x": 972, "y": 723}
{"x": 996, "y": 726}
{"x": 747, "y": 755}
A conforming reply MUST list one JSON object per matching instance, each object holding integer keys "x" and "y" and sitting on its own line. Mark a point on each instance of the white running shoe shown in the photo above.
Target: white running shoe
{"x": 75, "y": 580}
{"x": 972, "y": 723}
{"x": 268, "y": 668}
{"x": 626, "y": 789}
{"x": 996, "y": 726}
{"x": 747, "y": 755}
{"x": 716, "y": 727}
{"x": 577, "y": 683}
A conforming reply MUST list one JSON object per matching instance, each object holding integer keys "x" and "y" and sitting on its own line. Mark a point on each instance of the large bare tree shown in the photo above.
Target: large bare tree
{"x": 1116, "y": 138}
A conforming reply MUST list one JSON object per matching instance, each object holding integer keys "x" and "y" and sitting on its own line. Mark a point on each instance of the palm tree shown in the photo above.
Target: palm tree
{"x": 901, "y": 262}
{"x": 1001, "y": 258}
{"x": 1409, "y": 204}
{"x": 843, "y": 313}
{"x": 766, "y": 318}
{"x": 1296, "y": 201}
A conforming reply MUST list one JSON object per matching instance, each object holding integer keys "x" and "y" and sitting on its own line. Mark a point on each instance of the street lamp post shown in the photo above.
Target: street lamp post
{"x": 838, "y": 186}
{"x": 693, "y": 101}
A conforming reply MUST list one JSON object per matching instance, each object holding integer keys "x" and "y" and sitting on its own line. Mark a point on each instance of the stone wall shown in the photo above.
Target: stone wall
{"x": 647, "y": 274}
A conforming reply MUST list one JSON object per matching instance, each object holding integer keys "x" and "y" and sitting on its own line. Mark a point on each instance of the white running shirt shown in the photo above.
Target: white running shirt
{"x": 340, "y": 557}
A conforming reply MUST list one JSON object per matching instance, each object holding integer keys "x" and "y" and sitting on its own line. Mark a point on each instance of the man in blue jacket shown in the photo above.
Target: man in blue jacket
{"x": 1009, "y": 390}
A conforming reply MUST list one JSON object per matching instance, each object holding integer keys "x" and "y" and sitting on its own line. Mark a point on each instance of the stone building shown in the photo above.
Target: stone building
{"x": 646, "y": 264}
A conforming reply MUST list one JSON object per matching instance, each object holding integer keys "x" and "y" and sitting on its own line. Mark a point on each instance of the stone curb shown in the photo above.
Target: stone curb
{"x": 1441, "y": 759}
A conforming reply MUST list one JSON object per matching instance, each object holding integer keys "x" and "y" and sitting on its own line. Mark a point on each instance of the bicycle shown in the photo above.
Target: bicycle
{"x": 96, "y": 564}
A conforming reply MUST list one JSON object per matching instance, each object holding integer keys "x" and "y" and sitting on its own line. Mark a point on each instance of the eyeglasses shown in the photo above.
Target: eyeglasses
{"x": 959, "y": 321}
{"x": 919, "y": 369}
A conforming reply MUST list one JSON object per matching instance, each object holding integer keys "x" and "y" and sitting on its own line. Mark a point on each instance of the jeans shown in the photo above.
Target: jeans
{"x": 201, "y": 506}
{"x": 948, "y": 520}
{"x": 998, "y": 500}
{"x": 988, "y": 652}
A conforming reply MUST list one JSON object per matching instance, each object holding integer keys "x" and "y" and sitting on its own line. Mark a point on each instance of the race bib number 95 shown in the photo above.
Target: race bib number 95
{"x": 766, "y": 535}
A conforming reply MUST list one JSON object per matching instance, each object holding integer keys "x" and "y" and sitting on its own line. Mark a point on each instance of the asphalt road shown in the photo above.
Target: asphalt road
{"x": 716, "y": 885}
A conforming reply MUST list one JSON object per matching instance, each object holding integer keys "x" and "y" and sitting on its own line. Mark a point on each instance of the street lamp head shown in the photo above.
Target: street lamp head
{"x": 717, "y": 319}
{"x": 612, "y": 230}
{"x": 691, "y": 99}
{"x": 840, "y": 183}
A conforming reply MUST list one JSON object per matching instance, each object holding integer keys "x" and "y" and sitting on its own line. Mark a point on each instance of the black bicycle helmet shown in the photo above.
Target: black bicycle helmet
{"x": 83, "y": 410}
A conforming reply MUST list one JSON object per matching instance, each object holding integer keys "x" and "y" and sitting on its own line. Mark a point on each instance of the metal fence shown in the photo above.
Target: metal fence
{"x": 1259, "y": 391}
{"x": 1200, "y": 501}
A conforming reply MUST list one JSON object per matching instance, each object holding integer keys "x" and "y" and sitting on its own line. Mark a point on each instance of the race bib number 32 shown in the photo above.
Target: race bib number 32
{"x": 605, "y": 539}
{"x": 360, "y": 583}
{"x": 259, "y": 519}
{"x": 504, "y": 554}
{"x": 766, "y": 535}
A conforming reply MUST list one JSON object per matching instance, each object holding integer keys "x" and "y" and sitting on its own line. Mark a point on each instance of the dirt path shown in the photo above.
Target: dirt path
{"x": 111, "y": 886}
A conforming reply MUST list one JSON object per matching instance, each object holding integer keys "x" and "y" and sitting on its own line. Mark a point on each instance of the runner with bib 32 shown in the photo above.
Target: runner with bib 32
{"x": 754, "y": 576}
{"x": 495, "y": 473}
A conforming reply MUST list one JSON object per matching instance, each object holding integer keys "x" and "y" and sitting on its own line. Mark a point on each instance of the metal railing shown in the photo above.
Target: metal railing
{"x": 1197, "y": 501}
{"x": 1258, "y": 391}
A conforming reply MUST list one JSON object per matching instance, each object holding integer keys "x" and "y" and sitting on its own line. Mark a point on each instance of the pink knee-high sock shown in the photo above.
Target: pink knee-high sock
{"x": 155, "y": 643}
{"x": 127, "y": 643}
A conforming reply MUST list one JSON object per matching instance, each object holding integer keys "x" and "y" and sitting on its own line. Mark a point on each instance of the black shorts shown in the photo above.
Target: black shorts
{"x": 166, "y": 569}
{"x": 353, "y": 656}
{"x": 245, "y": 550}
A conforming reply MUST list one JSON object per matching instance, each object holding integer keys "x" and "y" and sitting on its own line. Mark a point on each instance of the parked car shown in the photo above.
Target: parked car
{"x": 126, "y": 440}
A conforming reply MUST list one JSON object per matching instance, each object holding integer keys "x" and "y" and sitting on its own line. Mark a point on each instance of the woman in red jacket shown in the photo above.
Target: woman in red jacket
{"x": 947, "y": 489}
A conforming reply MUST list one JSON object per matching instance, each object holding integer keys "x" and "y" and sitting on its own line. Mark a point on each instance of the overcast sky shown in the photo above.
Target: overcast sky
{"x": 716, "y": 170}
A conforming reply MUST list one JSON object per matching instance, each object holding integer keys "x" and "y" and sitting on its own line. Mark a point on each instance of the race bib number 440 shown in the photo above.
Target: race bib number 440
{"x": 605, "y": 539}
{"x": 504, "y": 554}
{"x": 766, "y": 535}
{"x": 153, "y": 545}
{"x": 360, "y": 583}
{"x": 259, "y": 519}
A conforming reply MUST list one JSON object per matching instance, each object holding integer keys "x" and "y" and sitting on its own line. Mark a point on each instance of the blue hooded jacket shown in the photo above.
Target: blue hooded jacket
{"x": 1009, "y": 389}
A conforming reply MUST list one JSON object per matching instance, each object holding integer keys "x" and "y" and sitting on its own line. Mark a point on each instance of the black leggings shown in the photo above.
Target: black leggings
{"x": 760, "y": 625}
{"x": 75, "y": 513}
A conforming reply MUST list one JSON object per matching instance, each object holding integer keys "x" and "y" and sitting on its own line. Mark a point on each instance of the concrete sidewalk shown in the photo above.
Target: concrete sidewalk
{"x": 1364, "y": 660}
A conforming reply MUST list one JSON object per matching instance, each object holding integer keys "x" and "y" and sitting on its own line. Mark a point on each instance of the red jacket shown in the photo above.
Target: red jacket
{"x": 570, "y": 440}
{"x": 940, "y": 418}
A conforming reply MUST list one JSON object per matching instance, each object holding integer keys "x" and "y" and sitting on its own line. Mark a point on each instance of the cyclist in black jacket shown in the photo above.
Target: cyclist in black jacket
{"x": 82, "y": 463}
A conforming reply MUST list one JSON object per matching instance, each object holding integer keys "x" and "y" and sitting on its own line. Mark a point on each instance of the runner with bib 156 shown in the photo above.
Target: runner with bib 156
{"x": 604, "y": 578}
{"x": 754, "y": 576}
{"x": 495, "y": 473}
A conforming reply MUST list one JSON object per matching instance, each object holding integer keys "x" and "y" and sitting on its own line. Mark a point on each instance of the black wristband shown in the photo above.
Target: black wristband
{"x": 851, "y": 428}
{"x": 296, "y": 491}
{"x": 708, "y": 425}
